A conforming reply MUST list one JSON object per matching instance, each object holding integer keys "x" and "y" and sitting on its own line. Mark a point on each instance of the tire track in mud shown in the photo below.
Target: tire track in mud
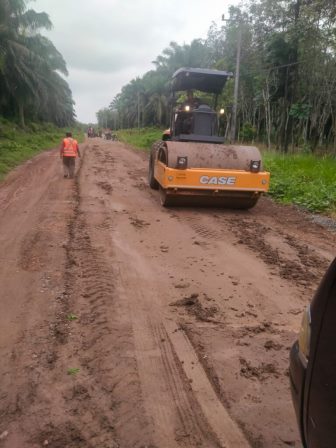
{"x": 204, "y": 231}
{"x": 194, "y": 427}
{"x": 304, "y": 269}
{"x": 79, "y": 409}
{"x": 304, "y": 272}
{"x": 87, "y": 419}
{"x": 179, "y": 415}
{"x": 176, "y": 417}
{"x": 107, "y": 378}
{"x": 177, "y": 396}
{"x": 169, "y": 369}
{"x": 255, "y": 362}
{"x": 35, "y": 356}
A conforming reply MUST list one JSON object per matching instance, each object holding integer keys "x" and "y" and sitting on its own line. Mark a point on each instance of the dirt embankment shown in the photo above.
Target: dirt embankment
{"x": 124, "y": 324}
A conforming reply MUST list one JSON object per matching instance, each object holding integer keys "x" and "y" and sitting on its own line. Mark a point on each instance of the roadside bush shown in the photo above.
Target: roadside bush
{"x": 303, "y": 179}
{"x": 17, "y": 145}
{"x": 247, "y": 133}
{"x": 140, "y": 138}
{"x": 34, "y": 127}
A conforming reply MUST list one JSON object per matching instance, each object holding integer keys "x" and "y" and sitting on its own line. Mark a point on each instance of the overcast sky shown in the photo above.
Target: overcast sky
{"x": 106, "y": 43}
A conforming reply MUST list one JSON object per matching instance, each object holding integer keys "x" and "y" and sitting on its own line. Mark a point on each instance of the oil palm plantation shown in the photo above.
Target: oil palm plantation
{"x": 30, "y": 67}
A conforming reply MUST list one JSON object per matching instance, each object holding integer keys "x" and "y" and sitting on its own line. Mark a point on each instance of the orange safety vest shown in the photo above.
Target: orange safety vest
{"x": 70, "y": 147}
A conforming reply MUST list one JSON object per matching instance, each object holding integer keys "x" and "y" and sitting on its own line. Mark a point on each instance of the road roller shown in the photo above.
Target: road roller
{"x": 191, "y": 165}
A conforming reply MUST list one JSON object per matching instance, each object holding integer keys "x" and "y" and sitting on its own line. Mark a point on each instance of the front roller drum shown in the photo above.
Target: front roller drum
{"x": 166, "y": 199}
{"x": 196, "y": 198}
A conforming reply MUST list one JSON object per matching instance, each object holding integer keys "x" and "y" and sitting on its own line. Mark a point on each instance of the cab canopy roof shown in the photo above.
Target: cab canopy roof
{"x": 211, "y": 81}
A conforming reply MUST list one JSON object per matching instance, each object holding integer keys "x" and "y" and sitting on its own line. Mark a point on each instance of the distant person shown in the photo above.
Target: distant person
{"x": 68, "y": 153}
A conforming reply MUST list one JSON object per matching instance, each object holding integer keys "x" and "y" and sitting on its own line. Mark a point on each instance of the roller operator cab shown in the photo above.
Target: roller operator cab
{"x": 313, "y": 368}
{"x": 191, "y": 164}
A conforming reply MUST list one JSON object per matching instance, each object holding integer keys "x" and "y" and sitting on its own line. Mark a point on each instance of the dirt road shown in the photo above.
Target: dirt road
{"x": 124, "y": 324}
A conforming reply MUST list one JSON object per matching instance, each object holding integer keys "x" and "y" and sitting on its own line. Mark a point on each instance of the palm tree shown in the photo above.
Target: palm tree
{"x": 28, "y": 63}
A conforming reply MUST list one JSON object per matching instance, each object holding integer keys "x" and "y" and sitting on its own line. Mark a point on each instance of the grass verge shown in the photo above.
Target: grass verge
{"x": 305, "y": 180}
{"x": 17, "y": 145}
{"x": 140, "y": 138}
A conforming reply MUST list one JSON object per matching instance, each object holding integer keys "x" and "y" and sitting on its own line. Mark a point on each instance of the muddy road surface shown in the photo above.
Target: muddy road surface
{"x": 124, "y": 324}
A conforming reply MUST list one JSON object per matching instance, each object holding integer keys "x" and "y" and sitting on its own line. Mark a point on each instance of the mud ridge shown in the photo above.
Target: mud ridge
{"x": 250, "y": 233}
{"x": 213, "y": 378}
{"x": 206, "y": 364}
{"x": 194, "y": 429}
{"x": 194, "y": 307}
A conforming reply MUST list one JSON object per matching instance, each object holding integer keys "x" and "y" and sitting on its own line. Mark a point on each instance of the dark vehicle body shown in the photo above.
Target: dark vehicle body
{"x": 200, "y": 123}
{"x": 313, "y": 377}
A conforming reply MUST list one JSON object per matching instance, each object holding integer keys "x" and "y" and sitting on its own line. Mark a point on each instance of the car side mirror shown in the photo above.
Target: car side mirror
{"x": 319, "y": 407}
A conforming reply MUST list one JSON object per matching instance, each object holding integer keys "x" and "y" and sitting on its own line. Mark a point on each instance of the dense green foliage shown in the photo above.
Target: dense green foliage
{"x": 140, "y": 138}
{"x": 18, "y": 145}
{"x": 287, "y": 95}
{"x": 31, "y": 86}
{"x": 303, "y": 179}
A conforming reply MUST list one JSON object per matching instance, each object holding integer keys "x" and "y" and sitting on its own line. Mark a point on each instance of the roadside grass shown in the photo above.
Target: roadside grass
{"x": 305, "y": 180}
{"x": 142, "y": 138}
{"x": 17, "y": 145}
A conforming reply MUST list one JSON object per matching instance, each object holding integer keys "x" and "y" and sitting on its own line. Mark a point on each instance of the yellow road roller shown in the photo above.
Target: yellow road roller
{"x": 191, "y": 165}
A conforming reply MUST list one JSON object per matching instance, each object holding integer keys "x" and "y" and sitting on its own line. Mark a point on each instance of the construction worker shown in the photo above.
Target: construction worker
{"x": 68, "y": 153}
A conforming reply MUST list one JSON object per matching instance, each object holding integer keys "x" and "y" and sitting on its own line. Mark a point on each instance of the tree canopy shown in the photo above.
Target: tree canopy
{"x": 287, "y": 93}
{"x": 31, "y": 68}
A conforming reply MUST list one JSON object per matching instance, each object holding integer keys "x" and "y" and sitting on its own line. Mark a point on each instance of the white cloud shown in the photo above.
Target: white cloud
{"x": 95, "y": 90}
{"x": 107, "y": 43}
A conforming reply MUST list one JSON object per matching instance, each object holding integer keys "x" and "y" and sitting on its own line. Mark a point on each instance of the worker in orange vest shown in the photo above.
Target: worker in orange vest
{"x": 68, "y": 153}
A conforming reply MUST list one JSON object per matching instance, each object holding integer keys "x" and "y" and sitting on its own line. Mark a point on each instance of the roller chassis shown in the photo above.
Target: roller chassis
{"x": 232, "y": 188}
{"x": 193, "y": 166}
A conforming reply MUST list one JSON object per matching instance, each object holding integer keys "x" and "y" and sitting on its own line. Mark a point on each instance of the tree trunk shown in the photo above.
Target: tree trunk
{"x": 267, "y": 113}
{"x": 293, "y": 78}
{"x": 21, "y": 114}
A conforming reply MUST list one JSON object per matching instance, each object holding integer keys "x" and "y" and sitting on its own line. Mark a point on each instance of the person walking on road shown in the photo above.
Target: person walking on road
{"x": 68, "y": 153}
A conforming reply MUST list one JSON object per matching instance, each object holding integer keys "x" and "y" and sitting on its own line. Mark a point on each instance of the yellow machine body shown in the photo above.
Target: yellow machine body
{"x": 216, "y": 175}
{"x": 211, "y": 179}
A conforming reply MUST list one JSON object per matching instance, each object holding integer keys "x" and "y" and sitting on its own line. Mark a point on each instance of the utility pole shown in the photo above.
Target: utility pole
{"x": 138, "y": 110}
{"x": 236, "y": 85}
